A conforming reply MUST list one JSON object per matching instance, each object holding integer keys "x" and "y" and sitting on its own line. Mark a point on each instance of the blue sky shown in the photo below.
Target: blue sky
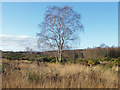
{"x": 20, "y": 20}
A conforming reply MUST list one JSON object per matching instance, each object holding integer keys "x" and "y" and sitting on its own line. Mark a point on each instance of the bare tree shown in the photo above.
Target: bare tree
{"x": 28, "y": 50}
{"x": 60, "y": 26}
{"x": 103, "y": 45}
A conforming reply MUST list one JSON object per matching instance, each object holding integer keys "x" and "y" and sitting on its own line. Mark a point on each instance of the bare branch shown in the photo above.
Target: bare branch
{"x": 59, "y": 27}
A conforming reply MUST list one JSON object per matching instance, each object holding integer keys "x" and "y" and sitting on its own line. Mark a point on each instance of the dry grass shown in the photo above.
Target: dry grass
{"x": 20, "y": 74}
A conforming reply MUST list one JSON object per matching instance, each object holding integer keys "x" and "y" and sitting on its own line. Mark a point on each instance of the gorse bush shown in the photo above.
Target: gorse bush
{"x": 116, "y": 61}
{"x": 65, "y": 60}
{"x": 53, "y": 60}
{"x": 39, "y": 59}
{"x": 80, "y": 61}
{"x": 94, "y": 61}
{"x": 105, "y": 59}
{"x": 49, "y": 59}
{"x": 91, "y": 61}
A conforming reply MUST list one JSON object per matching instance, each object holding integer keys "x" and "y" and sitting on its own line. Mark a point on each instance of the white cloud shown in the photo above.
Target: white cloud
{"x": 17, "y": 43}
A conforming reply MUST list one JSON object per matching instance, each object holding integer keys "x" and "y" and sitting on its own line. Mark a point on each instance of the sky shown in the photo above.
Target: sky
{"x": 20, "y": 24}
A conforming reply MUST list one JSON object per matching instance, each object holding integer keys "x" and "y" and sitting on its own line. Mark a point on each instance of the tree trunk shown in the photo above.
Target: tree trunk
{"x": 60, "y": 55}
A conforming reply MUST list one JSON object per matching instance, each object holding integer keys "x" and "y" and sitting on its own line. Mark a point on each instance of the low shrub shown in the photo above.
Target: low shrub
{"x": 39, "y": 59}
{"x": 53, "y": 60}
{"x": 80, "y": 61}
{"x": 105, "y": 59}
{"x": 49, "y": 59}
{"x": 13, "y": 55}
{"x": 116, "y": 62}
{"x": 97, "y": 61}
{"x": 94, "y": 61}
{"x": 77, "y": 60}
{"x": 31, "y": 58}
{"x": 91, "y": 61}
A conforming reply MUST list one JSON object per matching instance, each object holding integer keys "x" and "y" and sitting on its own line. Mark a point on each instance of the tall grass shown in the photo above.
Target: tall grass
{"x": 18, "y": 74}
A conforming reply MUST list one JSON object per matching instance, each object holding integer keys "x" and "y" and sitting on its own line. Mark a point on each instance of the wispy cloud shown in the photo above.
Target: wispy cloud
{"x": 17, "y": 43}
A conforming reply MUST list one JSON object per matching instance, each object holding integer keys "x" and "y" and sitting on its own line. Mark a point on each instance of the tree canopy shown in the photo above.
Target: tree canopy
{"x": 59, "y": 27}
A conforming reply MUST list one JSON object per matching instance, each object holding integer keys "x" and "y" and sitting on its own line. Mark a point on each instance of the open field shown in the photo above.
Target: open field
{"x": 28, "y": 74}
{"x": 60, "y": 45}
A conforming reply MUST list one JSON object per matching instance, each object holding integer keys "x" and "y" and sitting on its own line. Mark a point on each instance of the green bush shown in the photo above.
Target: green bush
{"x": 91, "y": 61}
{"x": 31, "y": 58}
{"x": 97, "y": 61}
{"x": 48, "y": 59}
{"x": 116, "y": 61}
{"x": 39, "y": 59}
{"x": 53, "y": 60}
{"x": 80, "y": 60}
{"x": 94, "y": 61}
{"x": 77, "y": 60}
{"x": 4, "y": 55}
{"x": 105, "y": 59}
{"x": 71, "y": 61}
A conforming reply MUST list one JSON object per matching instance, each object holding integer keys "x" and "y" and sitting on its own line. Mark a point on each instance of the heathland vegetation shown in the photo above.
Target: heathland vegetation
{"x": 60, "y": 67}
{"x": 87, "y": 68}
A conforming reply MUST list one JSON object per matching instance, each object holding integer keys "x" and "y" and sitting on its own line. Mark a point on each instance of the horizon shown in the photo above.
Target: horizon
{"x": 20, "y": 20}
{"x": 63, "y": 50}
